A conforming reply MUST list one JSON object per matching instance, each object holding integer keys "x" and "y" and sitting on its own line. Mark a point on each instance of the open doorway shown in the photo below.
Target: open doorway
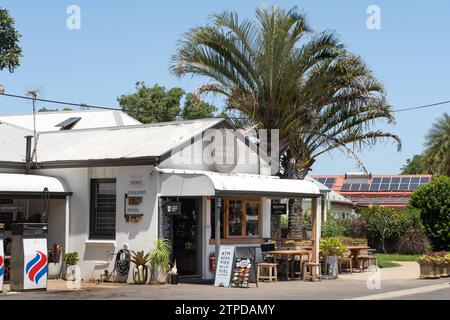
{"x": 186, "y": 237}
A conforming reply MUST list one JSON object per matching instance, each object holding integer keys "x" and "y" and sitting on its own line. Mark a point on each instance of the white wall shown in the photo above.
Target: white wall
{"x": 138, "y": 236}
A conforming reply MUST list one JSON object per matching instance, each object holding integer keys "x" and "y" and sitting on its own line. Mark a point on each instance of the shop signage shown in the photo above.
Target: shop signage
{"x": 10, "y": 208}
{"x": 224, "y": 266}
{"x": 35, "y": 264}
{"x": 172, "y": 208}
{"x": 134, "y": 198}
{"x": 278, "y": 209}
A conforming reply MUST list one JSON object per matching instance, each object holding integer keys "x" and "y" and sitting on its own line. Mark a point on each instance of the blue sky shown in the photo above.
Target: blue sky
{"x": 122, "y": 42}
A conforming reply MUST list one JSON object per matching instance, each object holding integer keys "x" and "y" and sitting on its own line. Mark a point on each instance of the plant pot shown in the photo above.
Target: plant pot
{"x": 331, "y": 268}
{"x": 54, "y": 268}
{"x": 158, "y": 275}
{"x": 444, "y": 270}
{"x": 140, "y": 274}
{"x": 72, "y": 273}
{"x": 429, "y": 271}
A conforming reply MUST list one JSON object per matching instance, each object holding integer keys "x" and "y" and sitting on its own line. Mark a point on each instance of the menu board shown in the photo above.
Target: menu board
{"x": 224, "y": 266}
{"x": 241, "y": 272}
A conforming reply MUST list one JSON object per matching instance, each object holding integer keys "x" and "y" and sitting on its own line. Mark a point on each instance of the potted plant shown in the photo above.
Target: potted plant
{"x": 54, "y": 261}
{"x": 331, "y": 249}
{"x": 140, "y": 270}
{"x": 430, "y": 266}
{"x": 446, "y": 265}
{"x": 71, "y": 259}
{"x": 159, "y": 260}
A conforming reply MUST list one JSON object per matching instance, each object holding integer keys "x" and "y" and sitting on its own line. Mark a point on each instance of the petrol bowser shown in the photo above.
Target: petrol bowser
{"x": 2, "y": 256}
{"x": 29, "y": 256}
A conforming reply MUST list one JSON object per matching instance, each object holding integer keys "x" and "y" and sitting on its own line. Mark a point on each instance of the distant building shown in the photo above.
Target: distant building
{"x": 392, "y": 191}
{"x": 332, "y": 202}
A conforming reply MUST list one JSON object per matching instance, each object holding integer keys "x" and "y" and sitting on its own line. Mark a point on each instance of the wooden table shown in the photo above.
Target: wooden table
{"x": 354, "y": 253}
{"x": 284, "y": 256}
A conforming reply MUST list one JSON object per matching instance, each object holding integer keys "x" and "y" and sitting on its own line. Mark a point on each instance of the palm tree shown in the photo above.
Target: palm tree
{"x": 281, "y": 75}
{"x": 437, "y": 143}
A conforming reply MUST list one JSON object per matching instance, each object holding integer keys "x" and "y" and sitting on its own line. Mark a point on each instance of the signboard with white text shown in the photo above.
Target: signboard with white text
{"x": 224, "y": 266}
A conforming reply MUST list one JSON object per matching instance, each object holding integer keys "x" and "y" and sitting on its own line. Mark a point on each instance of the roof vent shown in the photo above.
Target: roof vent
{"x": 69, "y": 123}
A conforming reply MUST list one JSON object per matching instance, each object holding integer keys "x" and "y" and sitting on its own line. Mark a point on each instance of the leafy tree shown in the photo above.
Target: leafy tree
{"x": 196, "y": 108}
{"x": 433, "y": 201}
{"x": 152, "y": 104}
{"x": 281, "y": 75}
{"x": 416, "y": 165}
{"x": 437, "y": 143}
{"x": 10, "y": 51}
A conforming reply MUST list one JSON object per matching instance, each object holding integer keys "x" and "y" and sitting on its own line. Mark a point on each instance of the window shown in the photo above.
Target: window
{"x": 242, "y": 218}
{"x": 103, "y": 209}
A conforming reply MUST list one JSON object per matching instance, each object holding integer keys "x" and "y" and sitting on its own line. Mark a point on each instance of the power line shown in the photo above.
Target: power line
{"x": 238, "y": 118}
{"x": 59, "y": 102}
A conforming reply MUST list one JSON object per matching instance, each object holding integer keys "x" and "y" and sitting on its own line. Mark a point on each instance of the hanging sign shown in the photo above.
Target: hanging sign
{"x": 10, "y": 208}
{"x": 278, "y": 209}
{"x": 224, "y": 266}
{"x": 172, "y": 208}
{"x": 133, "y": 206}
{"x": 134, "y": 198}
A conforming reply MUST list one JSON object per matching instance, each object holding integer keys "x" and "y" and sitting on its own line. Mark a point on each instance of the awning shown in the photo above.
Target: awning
{"x": 27, "y": 185}
{"x": 177, "y": 182}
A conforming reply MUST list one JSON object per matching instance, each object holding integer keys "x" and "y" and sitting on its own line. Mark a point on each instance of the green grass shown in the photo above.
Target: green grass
{"x": 389, "y": 260}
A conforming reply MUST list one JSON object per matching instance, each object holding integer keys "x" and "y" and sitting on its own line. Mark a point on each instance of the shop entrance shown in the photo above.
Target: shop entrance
{"x": 186, "y": 237}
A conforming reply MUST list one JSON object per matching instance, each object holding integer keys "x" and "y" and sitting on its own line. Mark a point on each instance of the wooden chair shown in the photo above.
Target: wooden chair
{"x": 311, "y": 271}
{"x": 346, "y": 262}
{"x": 365, "y": 261}
{"x": 267, "y": 271}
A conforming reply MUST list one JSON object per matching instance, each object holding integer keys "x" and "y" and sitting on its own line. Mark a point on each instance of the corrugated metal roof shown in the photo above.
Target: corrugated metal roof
{"x": 13, "y": 183}
{"x": 128, "y": 142}
{"x": 48, "y": 121}
{"x": 12, "y": 142}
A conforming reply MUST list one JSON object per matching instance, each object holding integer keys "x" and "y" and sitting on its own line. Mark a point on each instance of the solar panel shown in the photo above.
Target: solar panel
{"x": 405, "y": 180}
{"x": 424, "y": 180}
{"x": 374, "y": 187}
{"x": 413, "y": 186}
{"x": 355, "y": 187}
{"x": 322, "y": 180}
{"x": 384, "y": 187}
{"x": 386, "y": 180}
{"x": 376, "y": 180}
{"x": 394, "y": 186}
{"x": 364, "y": 187}
{"x": 395, "y": 180}
{"x": 415, "y": 180}
{"x": 346, "y": 187}
{"x": 403, "y": 186}
{"x": 329, "y": 185}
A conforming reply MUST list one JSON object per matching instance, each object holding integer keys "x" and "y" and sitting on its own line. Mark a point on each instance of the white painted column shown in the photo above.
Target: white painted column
{"x": 316, "y": 215}
{"x": 266, "y": 217}
{"x": 67, "y": 225}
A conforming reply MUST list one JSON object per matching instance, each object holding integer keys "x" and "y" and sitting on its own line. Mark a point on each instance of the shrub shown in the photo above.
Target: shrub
{"x": 433, "y": 201}
{"x": 356, "y": 228}
{"x": 332, "y": 247}
{"x": 413, "y": 242}
{"x": 71, "y": 258}
{"x": 334, "y": 227}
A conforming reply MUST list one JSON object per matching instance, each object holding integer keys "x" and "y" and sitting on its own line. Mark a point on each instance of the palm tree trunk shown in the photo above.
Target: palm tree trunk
{"x": 295, "y": 223}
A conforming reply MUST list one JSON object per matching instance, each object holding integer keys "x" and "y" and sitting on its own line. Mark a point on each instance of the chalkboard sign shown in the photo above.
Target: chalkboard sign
{"x": 224, "y": 266}
{"x": 278, "y": 209}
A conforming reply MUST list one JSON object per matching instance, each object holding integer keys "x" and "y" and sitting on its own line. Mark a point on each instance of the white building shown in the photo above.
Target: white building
{"x": 109, "y": 187}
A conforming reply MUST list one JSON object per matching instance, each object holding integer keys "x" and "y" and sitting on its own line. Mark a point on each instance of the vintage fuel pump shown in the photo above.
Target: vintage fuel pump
{"x": 29, "y": 252}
